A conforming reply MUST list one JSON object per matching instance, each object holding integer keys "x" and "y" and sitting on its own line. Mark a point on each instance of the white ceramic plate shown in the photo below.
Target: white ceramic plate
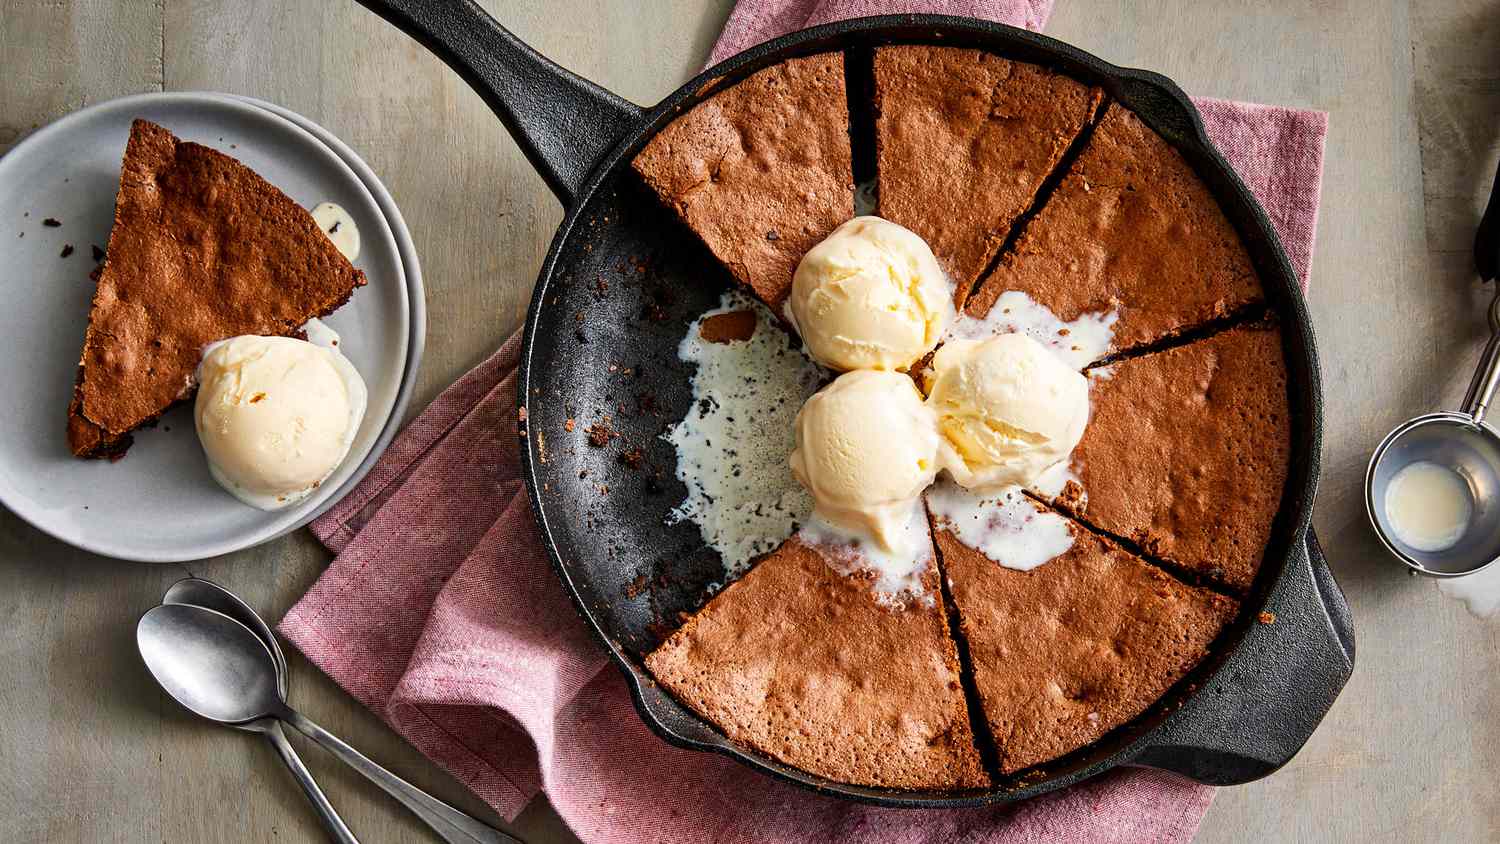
{"x": 159, "y": 503}
{"x": 415, "y": 294}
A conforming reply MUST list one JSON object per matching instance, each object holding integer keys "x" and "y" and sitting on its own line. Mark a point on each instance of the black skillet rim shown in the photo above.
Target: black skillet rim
{"x": 1126, "y": 85}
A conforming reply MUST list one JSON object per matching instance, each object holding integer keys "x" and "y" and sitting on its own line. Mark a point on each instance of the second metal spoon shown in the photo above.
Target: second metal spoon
{"x": 197, "y": 592}
{"x": 218, "y": 668}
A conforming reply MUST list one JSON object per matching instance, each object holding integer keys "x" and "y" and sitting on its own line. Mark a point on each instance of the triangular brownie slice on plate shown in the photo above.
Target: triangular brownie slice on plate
{"x": 1186, "y": 452}
{"x": 202, "y": 249}
{"x": 761, "y": 170}
{"x": 1131, "y": 232}
{"x": 810, "y": 666}
{"x": 1067, "y": 651}
{"x": 964, "y": 139}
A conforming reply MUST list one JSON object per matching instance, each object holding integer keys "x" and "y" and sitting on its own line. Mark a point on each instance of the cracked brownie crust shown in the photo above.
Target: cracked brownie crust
{"x": 963, "y": 140}
{"x": 1069, "y": 650}
{"x": 761, "y": 170}
{"x": 1132, "y": 229}
{"x": 1187, "y": 451}
{"x": 202, "y": 249}
{"x": 803, "y": 664}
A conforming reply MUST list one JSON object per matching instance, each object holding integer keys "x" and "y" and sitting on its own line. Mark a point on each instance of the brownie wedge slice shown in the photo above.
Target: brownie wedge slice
{"x": 1069, "y": 650}
{"x": 806, "y": 665}
{"x": 1130, "y": 232}
{"x": 761, "y": 170}
{"x": 964, "y": 139}
{"x": 202, "y": 249}
{"x": 1187, "y": 450}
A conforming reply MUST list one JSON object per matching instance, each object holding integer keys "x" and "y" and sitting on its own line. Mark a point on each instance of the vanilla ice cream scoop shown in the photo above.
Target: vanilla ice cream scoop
{"x": 870, "y": 296}
{"x": 276, "y": 416}
{"x": 866, "y": 449}
{"x": 1007, "y": 409}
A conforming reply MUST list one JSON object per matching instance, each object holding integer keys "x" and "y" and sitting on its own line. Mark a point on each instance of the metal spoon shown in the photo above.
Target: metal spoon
{"x": 218, "y": 668}
{"x": 202, "y": 593}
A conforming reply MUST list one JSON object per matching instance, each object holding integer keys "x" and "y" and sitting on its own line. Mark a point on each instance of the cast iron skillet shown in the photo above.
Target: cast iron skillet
{"x": 624, "y": 278}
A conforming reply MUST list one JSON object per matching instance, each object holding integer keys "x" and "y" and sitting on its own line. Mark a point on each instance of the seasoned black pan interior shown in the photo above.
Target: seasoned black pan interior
{"x": 601, "y": 382}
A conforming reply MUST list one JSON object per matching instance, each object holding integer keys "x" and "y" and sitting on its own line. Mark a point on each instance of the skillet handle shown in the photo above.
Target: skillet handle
{"x": 1261, "y": 706}
{"x": 562, "y": 122}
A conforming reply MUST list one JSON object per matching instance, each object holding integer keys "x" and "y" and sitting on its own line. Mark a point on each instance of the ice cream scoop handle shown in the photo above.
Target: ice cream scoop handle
{"x": 1487, "y": 376}
{"x": 449, "y": 823}
{"x": 1487, "y": 239}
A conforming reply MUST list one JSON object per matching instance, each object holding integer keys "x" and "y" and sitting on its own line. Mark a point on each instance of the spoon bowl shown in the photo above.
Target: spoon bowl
{"x": 213, "y": 665}
{"x": 1471, "y": 450}
{"x": 220, "y": 669}
{"x": 205, "y": 593}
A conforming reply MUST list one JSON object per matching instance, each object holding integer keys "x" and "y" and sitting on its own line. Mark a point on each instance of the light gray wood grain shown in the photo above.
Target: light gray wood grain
{"x": 93, "y": 753}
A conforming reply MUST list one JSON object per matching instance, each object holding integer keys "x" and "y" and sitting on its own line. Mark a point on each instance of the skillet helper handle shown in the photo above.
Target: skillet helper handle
{"x": 562, "y": 122}
{"x": 1263, "y": 703}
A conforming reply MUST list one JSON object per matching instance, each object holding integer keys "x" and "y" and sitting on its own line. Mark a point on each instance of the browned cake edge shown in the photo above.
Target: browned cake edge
{"x": 964, "y": 769}
{"x": 1003, "y": 231}
{"x": 1223, "y": 608}
{"x": 86, "y": 438}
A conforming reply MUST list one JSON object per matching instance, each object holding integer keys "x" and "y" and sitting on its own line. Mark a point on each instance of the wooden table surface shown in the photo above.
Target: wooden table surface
{"x": 90, "y": 750}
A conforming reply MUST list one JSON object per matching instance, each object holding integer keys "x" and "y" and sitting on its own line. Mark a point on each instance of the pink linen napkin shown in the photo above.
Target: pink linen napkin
{"x": 442, "y": 615}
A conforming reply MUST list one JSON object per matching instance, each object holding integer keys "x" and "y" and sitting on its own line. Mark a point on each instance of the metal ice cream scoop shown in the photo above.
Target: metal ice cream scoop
{"x": 1433, "y": 486}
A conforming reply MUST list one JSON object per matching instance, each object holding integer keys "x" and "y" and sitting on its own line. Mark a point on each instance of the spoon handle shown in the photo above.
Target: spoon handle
{"x": 448, "y": 822}
{"x": 326, "y": 813}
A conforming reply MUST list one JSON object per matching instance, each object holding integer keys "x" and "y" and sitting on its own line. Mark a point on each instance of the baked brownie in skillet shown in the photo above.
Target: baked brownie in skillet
{"x": 202, "y": 249}
{"x": 1186, "y": 452}
{"x": 804, "y": 664}
{"x": 1130, "y": 229}
{"x": 1077, "y": 646}
{"x": 760, "y": 170}
{"x": 964, "y": 139}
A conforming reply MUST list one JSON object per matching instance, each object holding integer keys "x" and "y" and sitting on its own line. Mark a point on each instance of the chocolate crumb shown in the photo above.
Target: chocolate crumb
{"x": 66, "y": 250}
{"x": 728, "y": 327}
{"x": 600, "y": 434}
{"x": 772, "y": 236}
{"x": 52, "y": 222}
{"x": 335, "y": 226}
{"x": 97, "y": 252}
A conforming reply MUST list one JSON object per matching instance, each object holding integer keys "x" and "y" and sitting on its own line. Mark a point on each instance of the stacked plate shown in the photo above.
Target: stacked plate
{"x": 159, "y": 504}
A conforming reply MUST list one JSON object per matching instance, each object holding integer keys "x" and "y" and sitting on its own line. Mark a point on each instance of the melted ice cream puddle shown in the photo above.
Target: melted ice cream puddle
{"x": 1079, "y": 343}
{"x": 897, "y": 572}
{"x": 1053, "y": 482}
{"x": 1480, "y": 591}
{"x": 732, "y": 447}
{"x": 1006, "y": 527}
{"x": 339, "y": 226}
{"x": 1428, "y": 506}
